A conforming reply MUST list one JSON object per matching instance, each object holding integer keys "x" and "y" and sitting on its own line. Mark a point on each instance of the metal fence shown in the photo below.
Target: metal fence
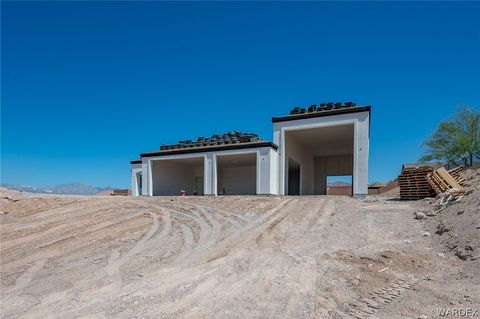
{"x": 471, "y": 160}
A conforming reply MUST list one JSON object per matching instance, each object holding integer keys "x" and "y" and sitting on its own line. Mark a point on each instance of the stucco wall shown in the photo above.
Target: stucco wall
{"x": 300, "y": 154}
{"x": 237, "y": 180}
{"x": 267, "y": 171}
{"x": 135, "y": 182}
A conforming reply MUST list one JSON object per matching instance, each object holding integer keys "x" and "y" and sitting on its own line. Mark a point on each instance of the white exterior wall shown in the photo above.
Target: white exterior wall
{"x": 361, "y": 122}
{"x": 273, "y": 173}
{"x": 302, "y": 156}
{"x": 210, "y": 176}
{"x": 360, "y": 155}
{"x": 266, "y": 169}
{"x": 136, "y": 168}
{"x": 237, "y": 180}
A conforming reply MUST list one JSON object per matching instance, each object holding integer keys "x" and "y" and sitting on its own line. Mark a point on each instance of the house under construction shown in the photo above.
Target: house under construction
{"x": 309, "y": 144}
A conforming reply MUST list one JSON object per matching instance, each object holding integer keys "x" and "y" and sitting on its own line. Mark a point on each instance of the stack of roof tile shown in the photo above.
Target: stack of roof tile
{"x": 233, "y": 137}
{"x": 322, "y": 107}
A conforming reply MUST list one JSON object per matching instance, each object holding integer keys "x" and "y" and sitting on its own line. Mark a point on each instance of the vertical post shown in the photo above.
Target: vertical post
{"x": 360, "y": 156}
{"x": 214, "y": 175}
{"x": 144, "y": 178}
{"x": 209, "y": 174}
{"x": 149, "y": 178}
{"x": 134, "y": 182}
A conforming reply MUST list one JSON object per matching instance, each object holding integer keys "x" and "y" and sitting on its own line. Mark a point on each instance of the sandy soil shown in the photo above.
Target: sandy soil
{"x": 225, "y": 257}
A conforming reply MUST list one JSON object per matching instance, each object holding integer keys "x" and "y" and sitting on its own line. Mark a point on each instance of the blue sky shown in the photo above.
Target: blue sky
{"x": 87, "y": 86}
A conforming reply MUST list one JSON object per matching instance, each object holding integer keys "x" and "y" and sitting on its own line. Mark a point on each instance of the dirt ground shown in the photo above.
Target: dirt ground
{"x": 457, "y": 226}
{"x": 225, "y": 257}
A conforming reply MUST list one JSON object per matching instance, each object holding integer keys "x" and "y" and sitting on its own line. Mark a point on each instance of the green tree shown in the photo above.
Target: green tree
{"x": 454, "y": 138}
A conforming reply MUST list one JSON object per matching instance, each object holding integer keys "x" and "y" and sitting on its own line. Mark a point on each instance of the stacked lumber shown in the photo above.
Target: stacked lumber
{"x": 442, "y": 180}
{"x": 120, "y": 192}
{"x": 413, "y": 183}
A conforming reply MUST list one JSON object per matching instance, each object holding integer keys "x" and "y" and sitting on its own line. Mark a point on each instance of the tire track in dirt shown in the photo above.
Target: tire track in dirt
{"x": 363, "y": 308}
{"x": 295, "y": 267}
{"x": 112, "y": 269}
{"x": 74, "y": 210}
{"x": 12, "y": 295}
{"x": 210, "y": 231}
{"x": 65, "y": 226}
{"x": 28, "y": 276}
{"x": 114, "y": 264}
{"x": 219, "y": 283}
{"x": 115, "y": 261}
{"x": 303, "y": 272}
{"x": 265, "y": 220}
{"x": 174, "y": 271}
{"x": 196, "y": 258}
{"x": 40, "y": 248}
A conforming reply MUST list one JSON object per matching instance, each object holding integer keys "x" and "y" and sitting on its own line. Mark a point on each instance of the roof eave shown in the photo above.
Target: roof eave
{"x": 210, "y": 149}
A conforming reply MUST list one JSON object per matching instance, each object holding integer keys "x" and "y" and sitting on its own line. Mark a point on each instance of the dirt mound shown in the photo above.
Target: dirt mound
{"x": 20, "y": 204}
{"x": 458, "y": 225}
{"x": 107, "y": 192}
{"x": 395, "y": 192}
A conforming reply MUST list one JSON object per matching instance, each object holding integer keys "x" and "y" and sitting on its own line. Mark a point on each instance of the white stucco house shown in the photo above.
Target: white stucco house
{"x": 309, "y": 145}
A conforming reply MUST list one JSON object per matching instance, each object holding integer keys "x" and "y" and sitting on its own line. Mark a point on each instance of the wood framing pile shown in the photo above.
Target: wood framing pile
{"x": 413, "y": 183}
{"x": 442, "y": 180}
{"x": 456, "y": 175}
{"x": 417, "y": 182}
{"x": 120, "y": 192}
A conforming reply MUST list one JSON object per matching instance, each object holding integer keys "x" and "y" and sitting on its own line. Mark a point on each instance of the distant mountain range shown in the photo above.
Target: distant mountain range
{"x": 66, "y": 189}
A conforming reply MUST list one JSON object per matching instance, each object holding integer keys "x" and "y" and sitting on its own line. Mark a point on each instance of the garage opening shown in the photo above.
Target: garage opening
{"x": 293, "y": 177}
{"x": 320, "y": 152}
{"x": 172, "y": 176}
{"x": 339, "y": 185}
{"x": 237, "y": 174}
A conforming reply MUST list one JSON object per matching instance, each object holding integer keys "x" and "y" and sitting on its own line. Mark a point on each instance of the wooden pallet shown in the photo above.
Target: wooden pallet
{"x": 120, "y": 192}
{"x": 456, "y": 175}
{"x": 441, "y": 180}
{"x": 413, "y": 183}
